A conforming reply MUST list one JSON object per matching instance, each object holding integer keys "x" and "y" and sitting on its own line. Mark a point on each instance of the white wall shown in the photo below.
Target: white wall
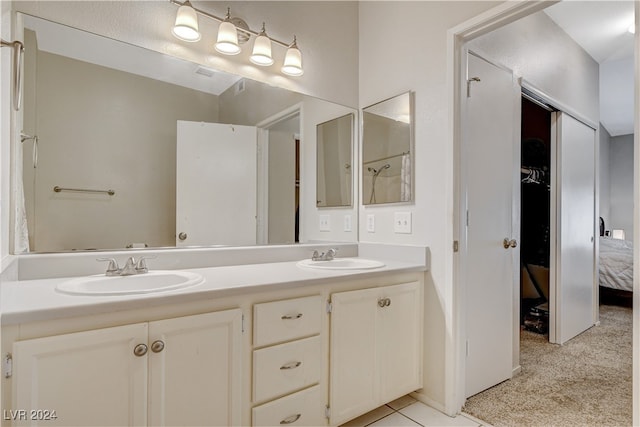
{"x": 616, "y": 96}
{"x": 621, "y": 170}
{"x": 403, "y": 47}
{"x": 605, "y": 177}
{"x": 125, "y": 142}
{"x": 327, "y": 34}
{"x": 536, "y": 49}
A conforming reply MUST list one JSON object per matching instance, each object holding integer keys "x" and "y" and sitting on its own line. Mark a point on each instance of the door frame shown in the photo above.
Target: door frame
{"x": 457, "y": 36}
{"x": 263, "y": 168}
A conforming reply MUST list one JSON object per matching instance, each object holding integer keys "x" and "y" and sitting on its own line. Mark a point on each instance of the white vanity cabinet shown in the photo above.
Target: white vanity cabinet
{"x": 288, "y": 363}
{"x": 181, "y": 371}
{"x": 376, "y": 348}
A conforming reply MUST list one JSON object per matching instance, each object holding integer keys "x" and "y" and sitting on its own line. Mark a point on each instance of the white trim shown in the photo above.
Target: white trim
{"x": 636, "y": 226}
{"x": 262, "y": 214}
{"x": 558, "y": 105}
{"x": 262, "y": 187}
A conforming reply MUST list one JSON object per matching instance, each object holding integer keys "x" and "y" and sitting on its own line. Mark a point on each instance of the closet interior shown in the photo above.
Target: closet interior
{"x": 535, "y": 208}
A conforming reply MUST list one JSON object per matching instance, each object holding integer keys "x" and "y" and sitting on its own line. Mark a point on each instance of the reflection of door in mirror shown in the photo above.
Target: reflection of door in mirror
{"x": 215, "y": 184}
{"x": 386, "y": 151}
{"x": 333, "y": 162}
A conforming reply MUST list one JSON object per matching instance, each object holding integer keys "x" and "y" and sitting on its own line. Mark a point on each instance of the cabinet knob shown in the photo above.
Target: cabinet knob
{"x": 140, "y": 350}
{"x": 182, "y": 236}
{"x": 291, "y": 419}
{"x": 384, "y": 302}
{"x": 157, "y": 346}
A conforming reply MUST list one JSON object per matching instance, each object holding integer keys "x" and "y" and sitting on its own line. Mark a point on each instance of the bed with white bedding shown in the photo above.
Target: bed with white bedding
{"x": 616, "y": 264}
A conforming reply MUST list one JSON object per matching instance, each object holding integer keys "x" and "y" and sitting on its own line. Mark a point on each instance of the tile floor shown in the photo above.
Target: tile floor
{"x": 407, "y": 411}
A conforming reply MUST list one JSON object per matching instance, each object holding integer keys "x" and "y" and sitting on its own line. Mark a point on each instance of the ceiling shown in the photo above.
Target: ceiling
{"x": 601, "y": 29}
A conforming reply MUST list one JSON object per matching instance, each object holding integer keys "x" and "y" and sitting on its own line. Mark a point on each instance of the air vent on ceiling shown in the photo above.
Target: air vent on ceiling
{"x": 205, "y": 71}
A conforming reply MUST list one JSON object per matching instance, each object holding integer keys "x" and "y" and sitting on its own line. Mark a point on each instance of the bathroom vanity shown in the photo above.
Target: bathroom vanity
{"x": 257, "y": 344}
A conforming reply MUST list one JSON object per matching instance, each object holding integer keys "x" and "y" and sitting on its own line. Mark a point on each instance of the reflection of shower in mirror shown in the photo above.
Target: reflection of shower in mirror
{"x": 376, "y": 172}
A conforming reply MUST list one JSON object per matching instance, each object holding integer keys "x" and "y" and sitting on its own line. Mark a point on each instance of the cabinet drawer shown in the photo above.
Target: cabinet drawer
{"x": 285, "y": 368}
{"x": 280, "y": 321}
{"x": 305, "y": 408}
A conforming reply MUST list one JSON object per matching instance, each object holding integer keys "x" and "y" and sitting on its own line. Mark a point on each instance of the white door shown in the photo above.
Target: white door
{"x": 575, "y": 247}
{"x": 195, "y": 370}
{"x": 88, "y": 378}
{"x": 216, "y": 177}
{"x": 490, "y": 153}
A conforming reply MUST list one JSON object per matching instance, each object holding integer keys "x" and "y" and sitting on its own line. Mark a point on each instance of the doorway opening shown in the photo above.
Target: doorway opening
{"x": 535, "y": 214}
{"x": 279, "y": 172}
{"x": 531, "y": 256}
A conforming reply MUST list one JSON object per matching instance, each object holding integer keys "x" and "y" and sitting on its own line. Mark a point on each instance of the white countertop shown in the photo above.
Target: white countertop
{"x": 24, "y": 301}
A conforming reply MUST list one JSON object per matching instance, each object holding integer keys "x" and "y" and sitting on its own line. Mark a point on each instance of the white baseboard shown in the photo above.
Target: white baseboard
{"x": 430, "y": 402}
{"x": 516, "y": 371}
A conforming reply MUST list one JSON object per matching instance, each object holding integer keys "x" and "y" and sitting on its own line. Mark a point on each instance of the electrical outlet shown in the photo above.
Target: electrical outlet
{"x": 347, "y": 223}
{"x": 402, "y": 222}
{"x": 325, "y": 224}
{"x": 371, "y": 223}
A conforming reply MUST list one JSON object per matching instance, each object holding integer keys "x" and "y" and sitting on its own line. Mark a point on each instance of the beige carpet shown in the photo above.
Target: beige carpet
{"x": 586, "y": 382}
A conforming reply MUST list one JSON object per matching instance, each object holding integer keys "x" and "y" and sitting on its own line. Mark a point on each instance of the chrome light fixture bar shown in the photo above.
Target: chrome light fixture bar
{"x": 233, "y": 32}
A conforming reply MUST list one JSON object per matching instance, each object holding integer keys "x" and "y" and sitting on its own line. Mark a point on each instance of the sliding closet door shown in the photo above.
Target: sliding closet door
{"x": 575, "y": 230}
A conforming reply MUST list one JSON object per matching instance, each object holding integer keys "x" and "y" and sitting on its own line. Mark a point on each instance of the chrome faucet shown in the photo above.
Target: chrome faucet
{"x": 130, "y": 268}
{"x": 324, "y": 256}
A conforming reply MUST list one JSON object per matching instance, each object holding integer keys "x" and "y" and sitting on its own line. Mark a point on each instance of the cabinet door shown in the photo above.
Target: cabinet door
{"x": 400, "y": 340}
{"x": 195, "y": 379}
{"x": 352, "y": 383}
{"x": 376, "y": 348}
{"x": 88, "y": 378}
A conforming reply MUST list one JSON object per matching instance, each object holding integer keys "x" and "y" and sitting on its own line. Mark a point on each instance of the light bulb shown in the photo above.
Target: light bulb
{"x": 186, "y": 26}
{"x": 262, "y": 49}
{"x": 293, "y": 60}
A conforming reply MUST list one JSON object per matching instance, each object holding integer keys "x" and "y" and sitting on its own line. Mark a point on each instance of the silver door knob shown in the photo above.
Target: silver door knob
{"x": 182, "y": 236}
{"x": 509, "y": 243}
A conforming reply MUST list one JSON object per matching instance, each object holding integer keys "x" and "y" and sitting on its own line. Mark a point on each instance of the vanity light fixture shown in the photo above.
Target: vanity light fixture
{"x": 227, "y": 37}
{"x": 293, "y": 60}
{"x": 262, "y": 49}
{"x": 186, "y": 26}
{"x": 232, "y": 33}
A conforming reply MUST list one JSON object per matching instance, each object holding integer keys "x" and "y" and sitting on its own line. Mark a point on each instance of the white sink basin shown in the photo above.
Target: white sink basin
{"x": 342, "y": 264}
{"x": 153, "y": 281}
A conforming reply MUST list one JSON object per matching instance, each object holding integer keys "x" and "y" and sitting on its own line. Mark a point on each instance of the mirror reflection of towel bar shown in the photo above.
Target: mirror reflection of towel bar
{"x": 83, "y": 190}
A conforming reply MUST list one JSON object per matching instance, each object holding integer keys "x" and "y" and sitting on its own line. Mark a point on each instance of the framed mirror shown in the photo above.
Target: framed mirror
{"x": 165, "y": 152}
{"x": 334, "y": 147}
{"x": 387, "y": 146}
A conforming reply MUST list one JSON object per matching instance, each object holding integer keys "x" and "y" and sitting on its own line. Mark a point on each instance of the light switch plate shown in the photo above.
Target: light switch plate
{"x": 325, "y": 224}
{"x": 347, "y": 223}
{"x": 402, "y": 222}
{"x": 371, "y": 223}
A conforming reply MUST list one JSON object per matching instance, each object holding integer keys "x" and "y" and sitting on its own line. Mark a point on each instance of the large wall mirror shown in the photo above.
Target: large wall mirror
{"x": 387, "y": 145}
{"x": 333, "y": 162}
{"x": 126, "y": 147}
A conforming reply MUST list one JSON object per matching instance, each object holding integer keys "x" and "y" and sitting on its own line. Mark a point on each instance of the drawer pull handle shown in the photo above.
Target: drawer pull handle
{"x": 291, "y": 316}
{"x": 290, "y": 365}
{"x": 290, "y": 420}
